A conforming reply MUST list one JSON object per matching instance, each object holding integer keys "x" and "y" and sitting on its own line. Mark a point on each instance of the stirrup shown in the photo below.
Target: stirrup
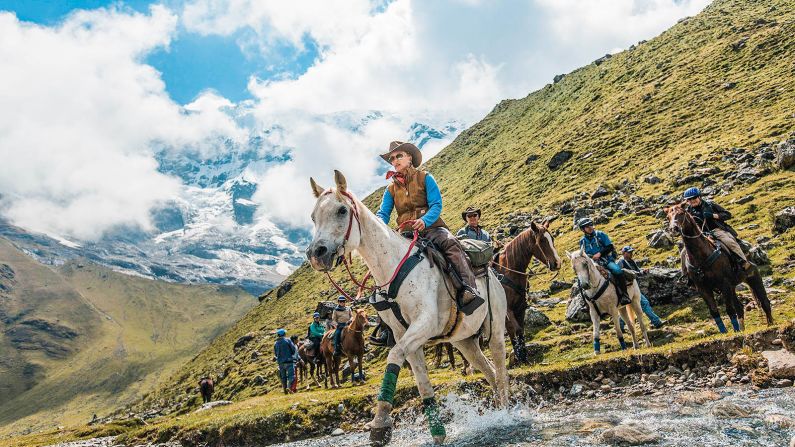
{"x": 377, "y": 341}
{"x": 472, "y": 306}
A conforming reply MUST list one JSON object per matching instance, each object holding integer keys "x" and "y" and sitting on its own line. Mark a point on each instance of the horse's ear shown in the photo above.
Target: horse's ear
{"x": 342, "y": 184}
{"x": 546, "y": 223}
{"x": 534, "y": 226}
{"x": 317, "y": 190}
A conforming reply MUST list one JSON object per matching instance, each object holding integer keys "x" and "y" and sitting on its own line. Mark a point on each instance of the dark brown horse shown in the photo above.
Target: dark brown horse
{"x": 712, "y": 270}
{"x": 313, "y": 361}
{"x": 352, "y": 345}
{"x": 439, "y": 350}
{"x": 206, "y": 388}
{"x": 512, "y": 263}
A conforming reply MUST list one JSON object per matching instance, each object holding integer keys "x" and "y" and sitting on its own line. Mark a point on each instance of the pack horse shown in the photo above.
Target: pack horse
{"x": 343, "y": 225}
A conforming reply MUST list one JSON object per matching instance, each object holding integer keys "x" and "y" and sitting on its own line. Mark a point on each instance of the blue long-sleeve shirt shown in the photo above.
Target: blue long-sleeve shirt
{"x": 432, "y": 195}
{"x": 284, "y": 350}
{"x": 598, "y": 242}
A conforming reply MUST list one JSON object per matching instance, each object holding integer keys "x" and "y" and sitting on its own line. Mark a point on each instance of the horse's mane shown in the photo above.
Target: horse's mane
{"x": 516, "y": 252}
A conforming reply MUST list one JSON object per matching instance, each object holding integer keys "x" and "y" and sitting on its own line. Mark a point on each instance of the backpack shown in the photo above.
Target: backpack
{"x": 479, "y": 252}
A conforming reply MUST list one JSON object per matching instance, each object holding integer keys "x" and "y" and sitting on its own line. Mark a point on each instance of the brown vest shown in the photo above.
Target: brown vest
{"x": 411, "y": 201}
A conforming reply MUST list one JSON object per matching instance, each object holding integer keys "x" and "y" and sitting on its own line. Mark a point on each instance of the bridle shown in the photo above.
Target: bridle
{"x": 353, "y": 213}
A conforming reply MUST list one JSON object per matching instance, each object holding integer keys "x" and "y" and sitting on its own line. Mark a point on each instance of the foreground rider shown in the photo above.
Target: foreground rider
{"x": 284, "y": 350}
{"x": 600, "y": 248}
{"x": 315, "y": 333}
{"x": 472, "y": 230}
{"x": 415, "y": 196}
{"x": 712, "y": 218}
{"x": 339, "y": 319}
{"x": 629, "y": 264}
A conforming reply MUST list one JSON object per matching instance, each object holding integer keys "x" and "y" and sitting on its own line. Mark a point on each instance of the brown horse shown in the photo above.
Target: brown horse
{"x": 313, "y": 361}
{"x": 711, "y": 270}
{"x": 206, "y": 388}
{"x": 439, "y": 352}
{"x": 352, "y": 345}
{"x": 512, "y": 263}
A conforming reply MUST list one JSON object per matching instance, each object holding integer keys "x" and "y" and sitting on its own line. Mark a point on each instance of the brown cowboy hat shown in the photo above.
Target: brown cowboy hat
{"x": 470, "y": 210}
{"x": 416, "y": 155}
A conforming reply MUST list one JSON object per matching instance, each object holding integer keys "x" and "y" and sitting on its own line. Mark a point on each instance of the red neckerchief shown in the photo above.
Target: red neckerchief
{"x": 398, "y": 177}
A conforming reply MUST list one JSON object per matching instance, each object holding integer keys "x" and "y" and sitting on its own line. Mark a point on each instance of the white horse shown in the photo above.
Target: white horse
{"x": 590, "y": 282}
{"x": 344, "y": 225}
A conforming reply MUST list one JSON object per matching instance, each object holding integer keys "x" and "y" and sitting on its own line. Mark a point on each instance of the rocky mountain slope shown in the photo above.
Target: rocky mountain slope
{"x": 79, "y": 339}
{"x": 710, "y": 102}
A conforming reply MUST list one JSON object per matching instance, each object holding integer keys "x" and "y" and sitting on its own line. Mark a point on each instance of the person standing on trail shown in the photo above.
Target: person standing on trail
{"x": 340, "y": 318}
{"x": 629, "y": 264}
{"x": 472, "y": 230}
{"x": 284, "y": 352}
{"x": 711, "y": 218}
{"x": 415, "y": 196}
{"x": 599, "y": 247}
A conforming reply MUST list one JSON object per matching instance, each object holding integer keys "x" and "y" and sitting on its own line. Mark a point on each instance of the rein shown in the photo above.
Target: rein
{"x": 354, "y": 213}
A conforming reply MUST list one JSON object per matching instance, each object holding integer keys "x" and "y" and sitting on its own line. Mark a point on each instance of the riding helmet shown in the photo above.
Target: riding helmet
{"x": 316, "y": 315}
{"x": 627, "y": 249}
{"x": 281, "y": 332}
{"x": 340, "y": 299}
{"x": 585, "y": 222}
{"x": 692, "y": 193}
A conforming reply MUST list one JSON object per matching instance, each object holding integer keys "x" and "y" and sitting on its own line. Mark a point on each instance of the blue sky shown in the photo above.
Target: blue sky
{"x": 193, "y": 62}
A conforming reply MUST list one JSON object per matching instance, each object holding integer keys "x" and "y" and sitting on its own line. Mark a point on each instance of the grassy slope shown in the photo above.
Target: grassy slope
{"x": 598, "y": 109}
{"x": 132, "y": 332}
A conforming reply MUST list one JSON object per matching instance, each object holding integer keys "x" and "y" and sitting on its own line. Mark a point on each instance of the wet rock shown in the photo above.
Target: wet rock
{"x": 660, "y": 239}
{"x": 600, "y": 191}
{"x": 780, "y": 364}
{"x": 629, "y": 434}
{"x": 577, "y": 310}
{"x": 698, "y": 397}
{"x": 728, "y": 410}
{"x": 338, "y": 432}
{"x": 785, "y": 153}
{"x": 534, "y": 318}
{"x": 784, "y": 220}
{"x": 590, "y": 425}
{"x": 244, "y": 340}
{"x": 559, "y": 159}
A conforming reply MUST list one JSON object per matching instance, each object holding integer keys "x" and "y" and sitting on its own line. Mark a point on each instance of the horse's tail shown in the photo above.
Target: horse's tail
{"x": 760, "y": 295}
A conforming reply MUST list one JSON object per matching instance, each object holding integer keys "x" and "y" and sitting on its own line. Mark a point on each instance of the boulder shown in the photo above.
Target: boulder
{"x": 534, "y": 318}
{"x": 629, "y": 434}
{"x": 660, "y": 239}
{"x": 660, "y": 285}
{"x": 780, "y": 364}
{"x": 758, "y": 256}
{"x": 284, "y": 288}
{"x": 213, "y": 404}
{"x": 785, "y": 153}
{"x": 531, "y": 159}
{"x": 338, "y": 432}
{"x": 728, "y": 410}
{"x": 558, "y": 78}
{"x": 577, "y": 310}
{"x": 325, "y": 308}
{"x": 652, "y": 179}
{"x": 784, "y": 220}
{"x": 558, "y": 159}
{"x": 556, "y": 286}
{"x": 259, "y": 380}
{"x": 600, "y": 191}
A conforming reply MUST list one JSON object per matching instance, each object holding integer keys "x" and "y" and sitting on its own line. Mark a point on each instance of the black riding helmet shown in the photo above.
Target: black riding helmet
{"x": 585, "y": 222}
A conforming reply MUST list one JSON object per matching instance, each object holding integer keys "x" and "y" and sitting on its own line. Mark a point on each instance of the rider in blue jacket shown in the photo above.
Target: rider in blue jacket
{"x": 599, "y": 247}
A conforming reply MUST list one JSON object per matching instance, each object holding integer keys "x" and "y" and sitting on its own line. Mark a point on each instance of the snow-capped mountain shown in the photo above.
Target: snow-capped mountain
{"x": 212, "y": 232}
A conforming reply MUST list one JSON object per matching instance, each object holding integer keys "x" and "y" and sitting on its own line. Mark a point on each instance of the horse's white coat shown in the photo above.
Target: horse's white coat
{"x": 585, "y": 269}
{"x": 423, "y": 298}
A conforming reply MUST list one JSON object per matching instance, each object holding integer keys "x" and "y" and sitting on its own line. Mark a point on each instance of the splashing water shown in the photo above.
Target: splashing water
{"x": 675, "y": 421}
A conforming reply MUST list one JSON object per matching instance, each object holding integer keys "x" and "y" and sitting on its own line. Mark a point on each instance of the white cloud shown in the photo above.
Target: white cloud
{"x": 79, "y": 115}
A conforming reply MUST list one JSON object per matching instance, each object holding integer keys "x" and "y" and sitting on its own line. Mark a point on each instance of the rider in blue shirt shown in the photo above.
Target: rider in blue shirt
{"x": 600, "y": 248}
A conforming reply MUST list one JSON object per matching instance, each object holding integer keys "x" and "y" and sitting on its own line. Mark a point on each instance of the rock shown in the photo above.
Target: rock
{"x": 629, "y": 434}
{"x": 577, "y": 310}
{"x": 660, "y": 285}
{"x": 600, "y": 191}
{"x": 728, "y": 410}
{"x": 602, "y": 59}
{"x": 284, "y": 288}
{"x": 784, "y": 383}
{"x": 340, "y": 408}
{"x": 652, "y": 179}
{"x": 259, "y": 381}
{"x": 744, "y": 199}
{"x": 758, "y": 256}
{"x": 728, "y": 85}
{"x": 556, "y": 286}
{"x": 534, "y": 318}
{"x": 338, "y": 432}
{"x": 213, "y": 404}
{"x": 780, "y": 364}
{"x": 325, "y": 308}
{"x": 784, "y": 220}
{"x": 531, "y": 159}
{"x": 740, "y": 44}
{"x": 576, "y": 390}
{"x": 558, "y": 78}
{"x": 242, "y": 341}
{"x": 660, "y": 239}
{"x": 785, "y": 153}
{"x": 590, "y": 425}
{"x": 559, "y": 159}
{"x": 779, "y": 421}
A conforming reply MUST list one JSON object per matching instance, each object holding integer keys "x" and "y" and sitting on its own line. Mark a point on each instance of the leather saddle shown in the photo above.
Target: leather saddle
{"x": 629, "y": 275}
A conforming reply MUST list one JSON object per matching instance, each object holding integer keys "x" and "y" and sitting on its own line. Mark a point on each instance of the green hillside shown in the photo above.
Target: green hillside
{"x": 79, "y": 339}
{"x": 691, "y": 102}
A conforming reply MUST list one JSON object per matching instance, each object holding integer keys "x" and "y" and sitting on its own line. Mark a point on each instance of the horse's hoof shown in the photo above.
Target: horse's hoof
{"x": 438, "y": 440}
{"x": 380, "y": 436}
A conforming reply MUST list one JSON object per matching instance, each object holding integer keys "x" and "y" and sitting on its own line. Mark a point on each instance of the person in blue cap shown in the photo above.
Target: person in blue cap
{"x": 629, "y": 264}
{"x": 712, "y": 218}
{"x": 599, "y": 247}
{"x": 284, "y": 351}
{"x": 315, "y": 333}
{"x": 340, "y": 318}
